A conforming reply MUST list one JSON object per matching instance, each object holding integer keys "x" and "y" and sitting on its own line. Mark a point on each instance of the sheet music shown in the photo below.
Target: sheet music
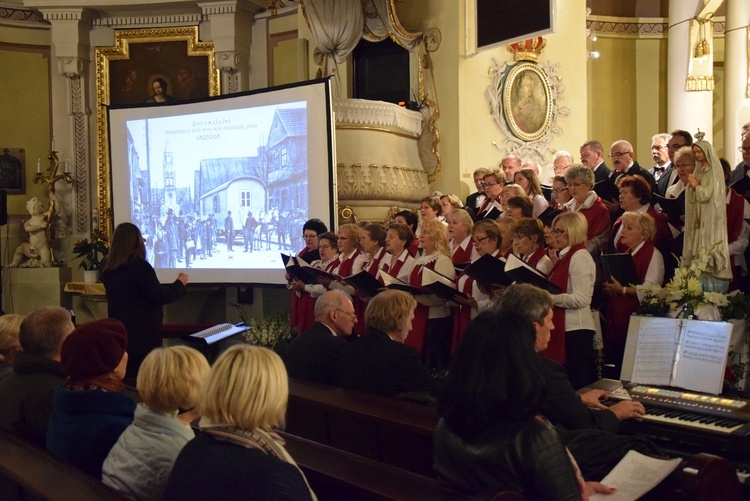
{"x": 635, "y": 475}
{"x": 655, "y": 350}
{"x": 703, "y": 355}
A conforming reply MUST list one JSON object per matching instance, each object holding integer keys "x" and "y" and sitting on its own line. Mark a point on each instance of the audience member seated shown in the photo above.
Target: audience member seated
{"x": 9, "y": 346}
{"x": 237, "y": 455}
{"x": 90, "y": 411}
{"x": 490, "y": 436}
{"x": 378, "y": 362}
{"x": 169, "y": 383}
{"x": 27, "y": 393}
{"x": 314, "y": 354}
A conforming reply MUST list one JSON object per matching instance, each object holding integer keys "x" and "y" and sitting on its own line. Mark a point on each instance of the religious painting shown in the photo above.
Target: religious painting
{"x": 527, "y": 101}
{"x": 12, "y": 170}
{"x": 150, "y": 66}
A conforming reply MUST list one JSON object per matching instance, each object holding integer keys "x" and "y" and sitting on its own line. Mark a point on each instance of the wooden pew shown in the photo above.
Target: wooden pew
{"x": 390, "y": 431}
{"x": 336, "y": 474}
{"x": 29, "y": 473}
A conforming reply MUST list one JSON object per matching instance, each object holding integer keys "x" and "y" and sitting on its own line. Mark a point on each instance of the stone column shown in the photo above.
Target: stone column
{"x": 70, "y": 115}
{"x": 686, "y": 110}
{"x": 231, "y": 32}
{"x": 736, "y": 102}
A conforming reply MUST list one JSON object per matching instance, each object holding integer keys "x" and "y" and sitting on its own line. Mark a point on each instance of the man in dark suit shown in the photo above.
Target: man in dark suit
{"x": 475, "y": 199}
{"x": 592, "y": 156}
{"x": 743, "y": 167}
{"x": 314, "y": 354}
{"x": 621, "y": 154}
{"x": 378, "y": 362}
{"x": 678, "y": 139}
{"x": 662, "y": 169}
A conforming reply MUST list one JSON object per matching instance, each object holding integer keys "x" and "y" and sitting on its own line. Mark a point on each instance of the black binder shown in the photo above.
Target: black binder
{"x": 621, "y": 267}
{"x": 521, "y": 272}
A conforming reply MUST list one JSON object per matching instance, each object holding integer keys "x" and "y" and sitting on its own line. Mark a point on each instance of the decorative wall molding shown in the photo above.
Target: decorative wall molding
{"x": 80, "y": 161}
{"x": 635, "y": 27}
{"x": 381, "y": 182}
{"x": 161, "y": 21}
{"x": 229, "y": 7}
{"x": 388, "y": 117}
{"x": 14, "y": 14}
{"x": 69, "y": 14}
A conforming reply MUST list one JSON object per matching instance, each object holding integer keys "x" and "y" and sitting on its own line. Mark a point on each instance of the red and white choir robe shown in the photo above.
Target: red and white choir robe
{"x": 442, "y": 264}
{"x": 301, "y": 314}
{"x": 348, "y": 266}
{"x": 402, "y": 268}
{"x": 372, "y": 264}
{"x": 649, "y": 265}
{"x": 463, "y": 314}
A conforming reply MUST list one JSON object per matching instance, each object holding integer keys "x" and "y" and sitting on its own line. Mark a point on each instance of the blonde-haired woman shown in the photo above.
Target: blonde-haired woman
{"x": 459, "y": 232}
{"x": 10, "y": 326}
{"x": 637, "y": 236}
{"x": 574, "y": 273}
{"x": 169, "y": 383}
{"x": 529, "y": 181}
{"x": 238, "y": 456}
{"x": 431, "y": 329}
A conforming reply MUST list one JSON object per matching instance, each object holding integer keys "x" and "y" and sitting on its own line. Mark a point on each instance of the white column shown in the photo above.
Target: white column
{"x": 736, "y": 103}
{"x": 686, "y": 110}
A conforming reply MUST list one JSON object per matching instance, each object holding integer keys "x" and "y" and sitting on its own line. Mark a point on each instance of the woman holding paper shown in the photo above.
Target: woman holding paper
{"x": 574, "y": 273}
{"x": 486, "y": 239}
{"x": 432, "y": 325}
{"x": 329, "y": 261}
{"x": 400, "y": 262}
{"x": 637, "y": 233}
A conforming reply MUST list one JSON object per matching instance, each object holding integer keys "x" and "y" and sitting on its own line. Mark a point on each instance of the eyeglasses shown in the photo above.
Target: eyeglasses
{"x": 478, "y": 240}
{"x": 743, "y": 150}
{"x": 309, "y": 237}
{"x": 324, "y": 247}
{"x": 575, "y": 185}
{"x": 619, "y": 154}
{"x": 675, "y": 146}
{"x": 490, "y": 185}
{"x": 559, "y": 190}
{"x": 558, "y": 232}
{"x": 346, "y": 312}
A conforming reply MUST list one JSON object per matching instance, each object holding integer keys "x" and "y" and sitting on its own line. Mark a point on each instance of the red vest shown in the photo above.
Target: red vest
{"x": 415, "y": 338}
{"x": 536, "y": 256}
{"x": 559, "y": 276}
{"x": 301, "y": 313}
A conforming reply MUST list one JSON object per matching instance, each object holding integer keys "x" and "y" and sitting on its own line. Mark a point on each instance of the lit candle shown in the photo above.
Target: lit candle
{"x": 38, "y": 165}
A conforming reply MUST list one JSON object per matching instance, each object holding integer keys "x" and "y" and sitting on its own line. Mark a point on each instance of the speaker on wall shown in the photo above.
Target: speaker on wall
{"x": 513, "y": 20}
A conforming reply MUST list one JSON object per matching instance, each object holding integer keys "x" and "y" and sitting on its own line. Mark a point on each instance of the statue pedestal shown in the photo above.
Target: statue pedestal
{"x": 27, "y": 289}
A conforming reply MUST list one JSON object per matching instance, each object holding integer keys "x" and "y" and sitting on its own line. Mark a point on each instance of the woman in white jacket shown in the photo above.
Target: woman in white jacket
{"x": 169, "y": 382}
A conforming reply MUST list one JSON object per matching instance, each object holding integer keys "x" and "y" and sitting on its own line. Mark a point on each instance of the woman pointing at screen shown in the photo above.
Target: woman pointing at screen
{"x": 134, "y": 295}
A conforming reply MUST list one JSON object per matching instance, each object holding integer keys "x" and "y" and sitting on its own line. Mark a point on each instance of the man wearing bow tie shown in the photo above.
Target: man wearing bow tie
{"x": 743, "y": 167}
{"x": 662, "y": 169}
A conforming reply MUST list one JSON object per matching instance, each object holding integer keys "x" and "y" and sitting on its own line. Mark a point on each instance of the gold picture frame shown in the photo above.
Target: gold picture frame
{"x": 527, "y": 102}
{"x": 128, "y": 72}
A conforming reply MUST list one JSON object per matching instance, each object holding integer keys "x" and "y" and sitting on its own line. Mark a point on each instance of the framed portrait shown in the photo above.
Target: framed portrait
{"x": 12, "y": 170}
{"x": 150, "y": 66}
{"x": 527, "y": 101}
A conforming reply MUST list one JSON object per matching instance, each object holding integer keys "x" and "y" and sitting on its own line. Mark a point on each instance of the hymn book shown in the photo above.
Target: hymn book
{"x": 689, "y": 354}
{"x": 522, "y": 272}
{"x": 489, "y": 271}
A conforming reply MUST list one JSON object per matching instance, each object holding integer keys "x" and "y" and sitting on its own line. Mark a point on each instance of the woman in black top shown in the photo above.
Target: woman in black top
{"x": 134, "y": 295}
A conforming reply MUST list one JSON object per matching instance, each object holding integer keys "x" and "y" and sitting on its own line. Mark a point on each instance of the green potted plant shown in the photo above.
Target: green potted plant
{"x": 91, "y": 255}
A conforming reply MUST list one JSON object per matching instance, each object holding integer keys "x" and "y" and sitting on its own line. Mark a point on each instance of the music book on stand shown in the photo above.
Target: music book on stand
{"x": 522, "y": 272}
{"x": 685, "y": 353}
{"x": 621, "y": 267}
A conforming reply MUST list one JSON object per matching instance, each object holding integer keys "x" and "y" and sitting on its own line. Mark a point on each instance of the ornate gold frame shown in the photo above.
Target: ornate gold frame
{"x": 543, "y": 115}
{"x": 119, "y": 52}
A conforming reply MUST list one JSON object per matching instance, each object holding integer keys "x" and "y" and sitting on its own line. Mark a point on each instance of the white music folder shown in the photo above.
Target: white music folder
{"x": 690, "y": 354}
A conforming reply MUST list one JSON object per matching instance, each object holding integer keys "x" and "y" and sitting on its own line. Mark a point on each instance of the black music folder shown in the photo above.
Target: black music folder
{"x": 296, "y": 271}
{"x": 672, "y": 207}
{"x": 620, "y": 266}
{"x": 488, "y": 271}
{"x": 607, "y": 190}
{"x": 365, "y": 282}
{"x": 521, "y": 272}
{"x": 742, "y": 186}
{"x": 689, "y": 354}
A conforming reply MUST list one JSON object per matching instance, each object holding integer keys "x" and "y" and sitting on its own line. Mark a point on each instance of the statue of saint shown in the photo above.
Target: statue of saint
{"x": 36, "y": 252}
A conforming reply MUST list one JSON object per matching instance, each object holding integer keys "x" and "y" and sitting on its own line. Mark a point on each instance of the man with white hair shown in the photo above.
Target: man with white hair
{"x": 561, "y": 162}
{"x": 529, "y": 163}
{"x": 510, "y": 165}
{"x": 314, "y": 354}
{"x": 662, "y": 170}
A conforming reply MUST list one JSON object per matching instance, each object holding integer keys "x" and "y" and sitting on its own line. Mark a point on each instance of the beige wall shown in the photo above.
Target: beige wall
{"x": 25, "y": 120}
